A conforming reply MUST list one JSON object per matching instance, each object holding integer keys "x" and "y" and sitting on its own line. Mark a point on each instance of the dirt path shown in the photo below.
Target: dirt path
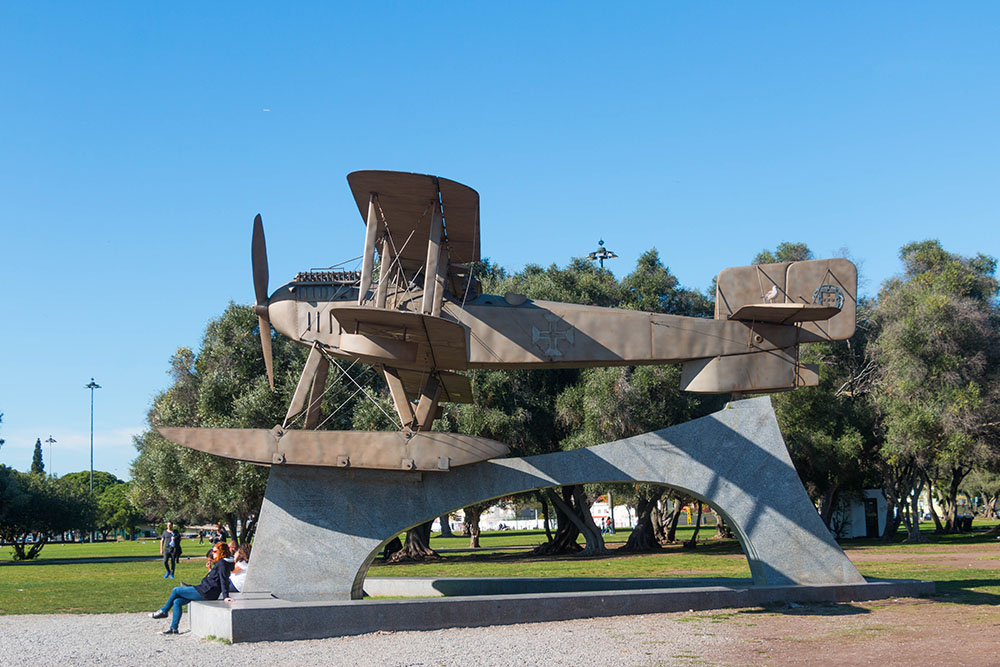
{"x": 890, "y": 632}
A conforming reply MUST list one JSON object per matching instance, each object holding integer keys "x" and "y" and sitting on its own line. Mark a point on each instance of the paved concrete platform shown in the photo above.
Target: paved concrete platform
{"x": 264, "y": 618}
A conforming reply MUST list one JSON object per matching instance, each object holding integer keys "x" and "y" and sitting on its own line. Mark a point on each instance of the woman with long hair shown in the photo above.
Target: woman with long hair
{"x": 215, "y": 583}
{"x": 241, "y": 562}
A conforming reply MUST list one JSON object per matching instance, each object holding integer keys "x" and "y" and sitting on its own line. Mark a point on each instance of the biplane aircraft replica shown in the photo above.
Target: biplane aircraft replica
{"x": 418, "y": 315}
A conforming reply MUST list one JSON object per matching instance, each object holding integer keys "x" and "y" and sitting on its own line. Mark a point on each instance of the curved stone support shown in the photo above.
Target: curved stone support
{"x": 320, "y": 528}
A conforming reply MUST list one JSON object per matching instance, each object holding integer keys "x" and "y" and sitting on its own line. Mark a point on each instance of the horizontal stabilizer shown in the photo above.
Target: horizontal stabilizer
{"x": 768, "y": 288}
{"x": 383, "y": 450}
{"x": 784, "y": 313}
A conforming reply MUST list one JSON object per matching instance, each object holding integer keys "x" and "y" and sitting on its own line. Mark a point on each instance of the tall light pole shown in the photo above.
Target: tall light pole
{"x": 51, "y": 468}
{"x": 92, "y": 386}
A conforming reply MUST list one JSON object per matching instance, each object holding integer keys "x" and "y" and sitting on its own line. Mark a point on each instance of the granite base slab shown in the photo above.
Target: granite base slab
{"x": 263, "y": 618}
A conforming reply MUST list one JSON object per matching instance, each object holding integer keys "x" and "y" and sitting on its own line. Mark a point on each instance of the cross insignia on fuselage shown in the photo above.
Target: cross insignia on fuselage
{"x": 552, "y": 336}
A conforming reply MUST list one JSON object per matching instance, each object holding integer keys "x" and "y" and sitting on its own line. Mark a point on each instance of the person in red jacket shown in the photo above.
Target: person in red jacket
{"x": 215, "y": 583}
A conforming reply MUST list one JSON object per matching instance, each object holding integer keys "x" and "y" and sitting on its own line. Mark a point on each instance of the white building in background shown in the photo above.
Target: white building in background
{"x": 860, "y": 516}
{"x": 499, "y": 517}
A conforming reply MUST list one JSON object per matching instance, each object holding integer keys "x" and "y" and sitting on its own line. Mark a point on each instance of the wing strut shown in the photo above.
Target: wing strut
{"x": 439, "y": 279}
{"x": 427, "y": 407}
{"x": 311, "y": 384}
{"x": 368, "y": 259}
{"x": 433, "y": 257}
{"x": 403, "y": 406}
{"x": 383, "y": 272}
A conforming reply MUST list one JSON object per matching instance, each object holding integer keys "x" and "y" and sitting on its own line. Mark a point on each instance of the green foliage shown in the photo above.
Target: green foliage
{"x": 37, "y": 466}
{"x": 514, "y": 407}
{"x": 929, "y": 265}
{"x": 79, "y": 482}
{"x": 619, "y": 402}
{"x": 78, "y": 485}
{"x": 830, "y": 433}
{"x": 785, "y": 252}
{"x": 12, "y": 497}
{"x": 830, "y": 428}
{"x": 224, "y": 386}
{"x": 652, "y": 288}
{"x": 116, "y": 511}
{"x": 937, "y": 351}
{"x": 35, "y": 507}
{"x": 581, "y": 282}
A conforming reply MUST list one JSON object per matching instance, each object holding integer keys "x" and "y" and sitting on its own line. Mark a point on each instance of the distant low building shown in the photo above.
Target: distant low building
{"x": 860, "y": 515}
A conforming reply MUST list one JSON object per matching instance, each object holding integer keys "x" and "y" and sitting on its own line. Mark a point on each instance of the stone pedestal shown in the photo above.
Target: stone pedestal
{"x": 320, "y": 528}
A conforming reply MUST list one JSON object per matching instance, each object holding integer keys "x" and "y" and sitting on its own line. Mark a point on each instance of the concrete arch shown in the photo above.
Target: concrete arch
{"x": 321, "y": 527}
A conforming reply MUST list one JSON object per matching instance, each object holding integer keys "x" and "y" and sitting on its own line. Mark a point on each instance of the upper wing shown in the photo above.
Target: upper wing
{"x": 405, "y": 202}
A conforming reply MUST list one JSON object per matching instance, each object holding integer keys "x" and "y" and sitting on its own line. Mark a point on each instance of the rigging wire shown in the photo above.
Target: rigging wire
{"x": 371, "y": 398}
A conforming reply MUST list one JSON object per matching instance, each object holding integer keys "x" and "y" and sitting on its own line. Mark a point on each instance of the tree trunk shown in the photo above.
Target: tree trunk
{"x": 938, "y": 526}
{"x": 656, "y": 518}
{"x": 894, "y": 489}
{"x": 575, "y": 508}
{"x": 722, "y": 529}
{"x": 249, "y": 528}
{"x": 958, "y": 473}
{"x": 563, "y": 541}
{"x": 675, "y": 518}
{"x": 913, "y": 520}
{"x": 417, "y": 546}
{"x": 445, "y": 521}
{"x": 233, "y": 528}
{"x": 643, "y": 537}
{"x": 595, "y": 540}
{"x": 394, "y": 545}
{"x": 892, "y": 517}
{"x": 545, "y": 515}
{"x": 471, "y": 527}
{"x": 32, "y": 551}
{"x": 693, "y": 542}
{"x": 989, "y": 507}
{"x": 951, "y": 505}
{"x": 829, "y": 503}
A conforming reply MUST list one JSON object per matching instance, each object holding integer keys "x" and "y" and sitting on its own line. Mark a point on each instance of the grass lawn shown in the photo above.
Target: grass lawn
{"x": 46, "y": 586}
{"x": 125, "y": 549}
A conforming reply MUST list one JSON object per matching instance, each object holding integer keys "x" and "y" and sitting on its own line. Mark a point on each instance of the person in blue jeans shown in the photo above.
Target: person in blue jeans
{"x": 215, "y": 583}
{"x": 170, "y": 549}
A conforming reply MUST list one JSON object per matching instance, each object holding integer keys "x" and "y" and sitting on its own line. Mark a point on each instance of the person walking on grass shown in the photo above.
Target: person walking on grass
{"x": 215, "y": 583}
{"x": 170, "y": 549}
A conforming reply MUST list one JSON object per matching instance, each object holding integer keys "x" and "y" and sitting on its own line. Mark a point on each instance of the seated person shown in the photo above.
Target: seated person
{"x": 215, "y": 583}
{"x": 242, "y": 561}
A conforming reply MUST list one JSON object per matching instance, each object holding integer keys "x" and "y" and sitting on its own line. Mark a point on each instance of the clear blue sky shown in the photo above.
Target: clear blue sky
{"x": 138, "y": 140}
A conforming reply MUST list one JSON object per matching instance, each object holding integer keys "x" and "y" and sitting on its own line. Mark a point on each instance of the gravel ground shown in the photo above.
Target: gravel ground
{"x": 131, "y": 639}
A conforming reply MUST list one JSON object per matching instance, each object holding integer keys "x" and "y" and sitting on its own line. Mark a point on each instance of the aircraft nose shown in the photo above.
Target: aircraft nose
{"x": 283, "y": 313}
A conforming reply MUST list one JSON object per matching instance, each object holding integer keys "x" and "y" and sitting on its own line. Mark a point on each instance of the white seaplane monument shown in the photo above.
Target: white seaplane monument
{"x": 335, "y": 498}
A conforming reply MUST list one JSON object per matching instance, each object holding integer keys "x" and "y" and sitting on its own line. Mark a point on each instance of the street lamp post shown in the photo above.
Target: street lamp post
{"x": 601, "y": 253}
{"x": 92, "y": 386}
{"x": 52, "y": 470}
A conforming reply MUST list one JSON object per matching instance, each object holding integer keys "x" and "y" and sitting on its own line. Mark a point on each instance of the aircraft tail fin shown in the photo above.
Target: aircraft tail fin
{"x": 820, "y": 295}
